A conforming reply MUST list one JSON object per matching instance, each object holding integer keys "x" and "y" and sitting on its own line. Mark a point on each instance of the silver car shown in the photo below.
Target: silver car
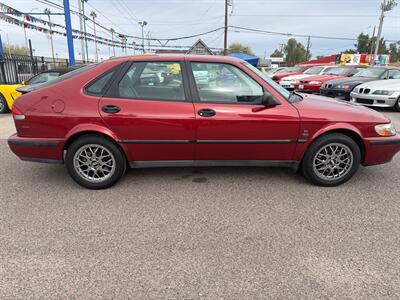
{"x": 381, "y": 93}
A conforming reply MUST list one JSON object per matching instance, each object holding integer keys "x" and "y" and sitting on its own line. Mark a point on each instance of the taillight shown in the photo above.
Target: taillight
{"x": 17, "y": 114}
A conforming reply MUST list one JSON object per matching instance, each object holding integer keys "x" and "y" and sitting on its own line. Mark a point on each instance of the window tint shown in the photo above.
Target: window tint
{"x": 44, "y": 77}
{"x": 153, "y": 80}
{"x": 394, "y": 74}
{"x": 97, "y": 87}
{"x": 225, "y": 83}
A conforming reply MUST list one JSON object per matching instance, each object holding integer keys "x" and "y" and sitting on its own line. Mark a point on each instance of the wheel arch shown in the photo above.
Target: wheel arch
{"x": 103, "y": 132}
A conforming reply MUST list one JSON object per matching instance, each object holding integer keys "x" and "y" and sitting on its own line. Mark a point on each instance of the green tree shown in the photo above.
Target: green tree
{"x": 15, "y": 49}
{"x": 277, "y": 53}
{"x": 366, "y": 44}
{"x": 295, "y": 52}
{"x": 350, "y": 51}
{"x": 239, "y": 48}
{"x": 394, "y": 51}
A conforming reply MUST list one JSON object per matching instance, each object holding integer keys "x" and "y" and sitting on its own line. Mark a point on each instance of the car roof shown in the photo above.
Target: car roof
{"x": 189, "y": 57}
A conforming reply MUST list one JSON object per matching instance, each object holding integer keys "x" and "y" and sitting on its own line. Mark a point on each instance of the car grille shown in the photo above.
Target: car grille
{"x": 364, "y": 101}
{"x": 303, "y": 82}
{"x": 328, "y": 85}
{"x": 364, "y": 91}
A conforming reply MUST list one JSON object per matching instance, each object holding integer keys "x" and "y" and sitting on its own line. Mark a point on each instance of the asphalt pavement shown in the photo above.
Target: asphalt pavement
{"x": 197, "y": 233}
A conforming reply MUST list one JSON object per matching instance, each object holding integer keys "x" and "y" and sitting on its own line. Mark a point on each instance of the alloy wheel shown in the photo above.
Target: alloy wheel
{"x": 333, "y": 161}
{"x": 94, "y": 163}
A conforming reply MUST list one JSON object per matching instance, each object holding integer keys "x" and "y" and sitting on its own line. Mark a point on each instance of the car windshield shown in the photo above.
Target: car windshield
{"x": 336, "y": 71}
{"x": 293, "y": 69}
{"x": 268, "y": 80}
{"x": 370, "y": 73}
{"x": 314, "y": 70}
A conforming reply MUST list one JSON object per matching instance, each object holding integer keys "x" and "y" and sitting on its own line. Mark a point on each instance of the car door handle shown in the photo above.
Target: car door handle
{"x": 206, "y": 112}
{"x": 111, "y": 109}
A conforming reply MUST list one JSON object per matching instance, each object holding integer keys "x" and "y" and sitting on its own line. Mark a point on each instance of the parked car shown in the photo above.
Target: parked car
{"x": 275, "y": 71}
{"x": 8, "y": 92}
{"x": 313, "y": 84}
{"x": 288, "y": 72}
{"x": 378, "y": 94}
{"x": 288, "y": 82}
{"x": 112, "y": 120}
{"x": 341, "y": 88}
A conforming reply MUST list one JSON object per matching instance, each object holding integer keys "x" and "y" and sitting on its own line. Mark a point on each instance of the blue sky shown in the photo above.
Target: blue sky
{"x": 174, "y": 18}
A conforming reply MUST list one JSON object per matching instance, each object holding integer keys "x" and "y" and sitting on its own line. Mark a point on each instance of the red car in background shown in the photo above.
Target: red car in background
{"x": 289, "y": 71}
{"x": 312, "y": 85}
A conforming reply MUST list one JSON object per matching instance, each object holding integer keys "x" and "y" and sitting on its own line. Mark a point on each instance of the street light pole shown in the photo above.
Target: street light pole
{"x": 142, "y": 24}
{"x": 112, "y": 38}
{"x": 48, "y": 12}
{"x": 93, "y": 15}
{"x": 84, "y": 28}
{"x": 81, "y": 30}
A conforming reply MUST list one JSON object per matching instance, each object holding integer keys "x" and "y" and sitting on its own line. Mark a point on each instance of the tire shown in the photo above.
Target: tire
{"x": 3, "y": 105}
{"x": 92, "y": 155}
{"x": 323, "y": 165}
{"x": 396, "y": 106}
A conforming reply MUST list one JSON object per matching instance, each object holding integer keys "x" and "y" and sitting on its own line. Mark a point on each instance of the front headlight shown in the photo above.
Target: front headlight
{"x": 385, "y": 129}
{"x": 343, "y": 86}
{"x": 315, "y": 82}
{"x": 383, "y": 92}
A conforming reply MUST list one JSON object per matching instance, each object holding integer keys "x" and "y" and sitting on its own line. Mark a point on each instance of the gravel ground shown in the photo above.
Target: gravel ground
{"x": 234, "y": 233}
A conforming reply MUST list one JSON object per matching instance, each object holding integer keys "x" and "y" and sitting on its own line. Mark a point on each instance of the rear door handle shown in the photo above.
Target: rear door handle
{"x": 206, "y": 112}
{"x": 111, "y": 109}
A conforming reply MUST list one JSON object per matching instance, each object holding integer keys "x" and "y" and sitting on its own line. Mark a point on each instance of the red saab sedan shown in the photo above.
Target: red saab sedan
{"x": 208, "y": 111}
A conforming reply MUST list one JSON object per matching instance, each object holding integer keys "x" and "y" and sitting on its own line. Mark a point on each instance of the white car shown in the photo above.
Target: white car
{"x": 380, "y": 93}
{"x": 288, "y": 82}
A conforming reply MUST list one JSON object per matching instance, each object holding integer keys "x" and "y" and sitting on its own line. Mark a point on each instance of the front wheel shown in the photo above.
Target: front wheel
{"x": 3, "y": 105}
{"x": 331, "y": 160}
{"x": 95, "y": 162}
{"x": 396, "y": 106}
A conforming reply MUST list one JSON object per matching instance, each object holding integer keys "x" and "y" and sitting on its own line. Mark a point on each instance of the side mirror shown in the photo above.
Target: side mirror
{"x": 268, "y": 100}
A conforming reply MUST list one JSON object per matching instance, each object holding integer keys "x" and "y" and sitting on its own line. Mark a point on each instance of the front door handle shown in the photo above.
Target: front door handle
{"x": 206, "y": 112}
{"x": 111, "y": 109}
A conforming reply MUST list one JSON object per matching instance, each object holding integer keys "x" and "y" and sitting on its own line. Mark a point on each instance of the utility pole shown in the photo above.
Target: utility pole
{"x": 226, "y": 28}
{"x": 372, "y": 44}
{"x": 48, "y": 12}
{"x": 386, "y": 6}
{"x": 308, "y": 47}
{"x": 81, "y": 30}
{"x": 148, "y": 41}
{"x": 142, "y": 24}
{"x": 93, "y": 15}
{"x": 84, "y": 28}
{"x": 112, "y": 38}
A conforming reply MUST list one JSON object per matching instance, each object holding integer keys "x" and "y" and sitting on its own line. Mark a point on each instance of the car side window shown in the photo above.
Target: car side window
{"x": 384, "y": 75}
{"x": 394, "y": 74}
{"x": 96, "y": 88}
{"x": 153, "y": 81}
{"x": 224, "y": 83}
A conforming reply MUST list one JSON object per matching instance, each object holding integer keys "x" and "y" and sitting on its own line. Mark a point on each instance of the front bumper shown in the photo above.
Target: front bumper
{"x": 38, "y": 150}
{"x": 335, "y": 93}
{"x": 307, "y": 88}
{"x": 374, "y": 100}
{"x": 380, "y": 150}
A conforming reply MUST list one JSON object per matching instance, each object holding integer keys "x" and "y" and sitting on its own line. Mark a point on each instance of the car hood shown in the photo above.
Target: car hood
{"x": 333, "y": 110}
{"x": 323, "y": 78}
{"x": 282, "y": 75}
{"x": 391, "y": 84}
{"x": 352, "y": 81}
{"x": 297, "y": 77}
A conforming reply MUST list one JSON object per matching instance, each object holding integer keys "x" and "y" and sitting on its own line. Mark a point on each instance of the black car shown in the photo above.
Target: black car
{"x": 341, "y": 88}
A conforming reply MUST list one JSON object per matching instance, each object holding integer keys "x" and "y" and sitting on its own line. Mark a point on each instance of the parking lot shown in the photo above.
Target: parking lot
{"x": 197, "y": 233}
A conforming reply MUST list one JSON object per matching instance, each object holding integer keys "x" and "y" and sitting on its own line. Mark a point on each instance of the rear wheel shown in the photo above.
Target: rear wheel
{"x": 396, "y": 106}
{"x": 331, "y": 160}
{"x": 3, "y": 105}
{"x": 95, "y": 162}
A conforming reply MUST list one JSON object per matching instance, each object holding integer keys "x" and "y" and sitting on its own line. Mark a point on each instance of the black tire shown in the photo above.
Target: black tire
{"x": 116, "y": 155}
{"x": 3, "y": 105}
{"x": 342, "y": 140}
{"x": 396, "y": 106}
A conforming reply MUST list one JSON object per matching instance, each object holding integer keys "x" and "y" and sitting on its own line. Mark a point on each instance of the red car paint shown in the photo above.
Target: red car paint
{"x": 58, "y": 114}
{"x": 279, "y": 76}
{"x": 305, "y": 85}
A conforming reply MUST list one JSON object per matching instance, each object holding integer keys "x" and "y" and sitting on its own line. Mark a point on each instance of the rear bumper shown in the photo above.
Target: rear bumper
{"x": 38, "y": 150}
{"x": 380, "y": 150}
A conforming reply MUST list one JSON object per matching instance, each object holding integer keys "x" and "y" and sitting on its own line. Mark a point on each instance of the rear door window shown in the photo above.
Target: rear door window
{"x": 153, "y": 81}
